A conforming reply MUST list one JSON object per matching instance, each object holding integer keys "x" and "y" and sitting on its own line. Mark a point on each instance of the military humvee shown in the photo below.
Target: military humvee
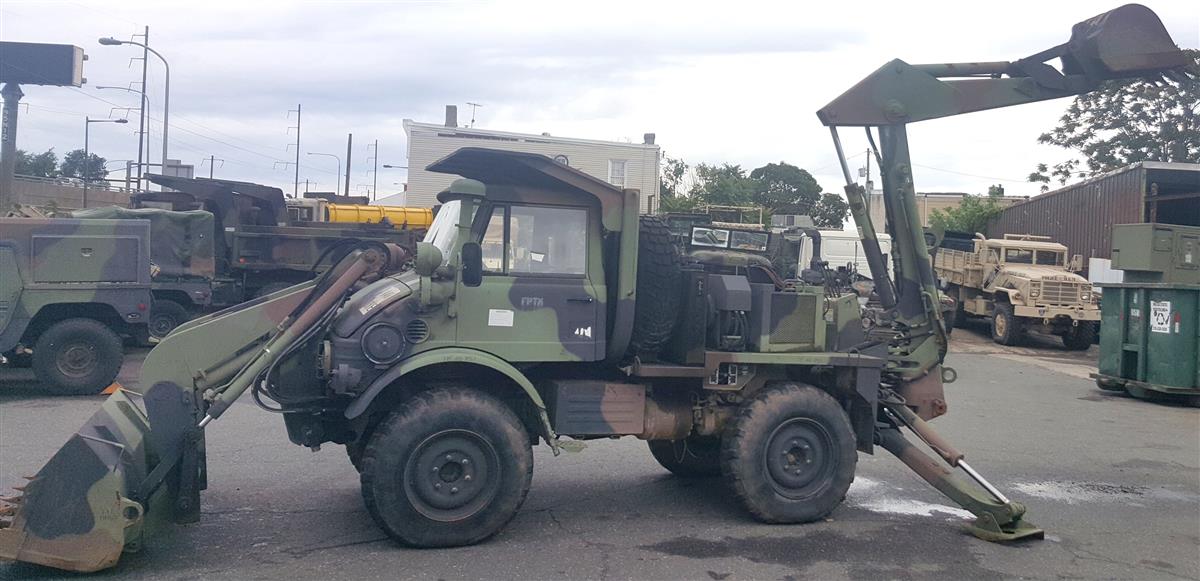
{"x": 69, "y": 290}
{"x": 1022, "y": 283}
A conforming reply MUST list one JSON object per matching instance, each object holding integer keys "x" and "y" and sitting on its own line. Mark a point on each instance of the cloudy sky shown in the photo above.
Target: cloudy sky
{"x": 734, "y": 81}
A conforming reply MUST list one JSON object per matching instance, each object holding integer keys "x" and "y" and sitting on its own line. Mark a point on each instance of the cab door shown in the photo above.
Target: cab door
{"x": 537, "y": 300}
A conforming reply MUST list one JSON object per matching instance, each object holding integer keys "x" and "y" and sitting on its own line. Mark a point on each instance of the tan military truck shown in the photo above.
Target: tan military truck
{"x": 1021, "y": 283}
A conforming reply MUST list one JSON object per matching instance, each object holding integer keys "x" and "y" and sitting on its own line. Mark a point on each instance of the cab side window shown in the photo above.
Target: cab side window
{"x": 535, "y": 240}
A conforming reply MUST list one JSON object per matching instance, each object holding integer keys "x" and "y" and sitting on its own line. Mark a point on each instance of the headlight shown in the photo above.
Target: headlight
{"x": 382, "y": 343}
{"x": 1034, "y": 293}
{"x": 1085, "y": 297}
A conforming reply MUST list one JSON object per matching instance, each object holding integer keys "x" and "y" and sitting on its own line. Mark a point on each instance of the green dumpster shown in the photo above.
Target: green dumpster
{"x": 1150, "y": 324}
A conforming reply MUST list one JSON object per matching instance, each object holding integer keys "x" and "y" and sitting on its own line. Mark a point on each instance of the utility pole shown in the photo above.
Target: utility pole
{"x": 349, "y": 144}
{"x": 296, "y": 185}
{"x": 375, "y": 158}
{"x": 212, "y": 159}
{"x": 142, "y": 107}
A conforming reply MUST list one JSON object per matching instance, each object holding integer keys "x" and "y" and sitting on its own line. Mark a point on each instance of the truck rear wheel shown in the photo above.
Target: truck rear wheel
{"x": 789, "y": 455}
{"x": 1006, "y": 328}
{"x": 1080, "y": 337}
{"x": 691, "y": 457}
{"x": 450, "y": 467}
{"x": 658, "y": 275}
{"x": 77, "y": 357}
{"x": 165, "y": 316}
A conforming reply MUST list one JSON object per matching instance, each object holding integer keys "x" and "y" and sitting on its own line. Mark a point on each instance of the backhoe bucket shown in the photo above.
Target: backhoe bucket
{"x": 76, "y": 513}
{"x": 1129, "y": 41}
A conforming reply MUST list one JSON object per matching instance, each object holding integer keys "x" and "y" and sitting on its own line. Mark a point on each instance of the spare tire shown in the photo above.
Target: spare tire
{"x": 658, "y": 276}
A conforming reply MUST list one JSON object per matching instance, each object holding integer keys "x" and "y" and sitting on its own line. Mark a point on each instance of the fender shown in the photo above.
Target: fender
{"x": 454, "y": 355}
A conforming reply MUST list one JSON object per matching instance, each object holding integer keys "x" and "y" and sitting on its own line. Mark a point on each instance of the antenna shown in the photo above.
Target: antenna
{"x": 473, "y": 106}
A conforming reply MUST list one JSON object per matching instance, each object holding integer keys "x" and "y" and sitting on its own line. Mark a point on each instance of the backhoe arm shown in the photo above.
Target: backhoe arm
{"x": 1127, "y": 42}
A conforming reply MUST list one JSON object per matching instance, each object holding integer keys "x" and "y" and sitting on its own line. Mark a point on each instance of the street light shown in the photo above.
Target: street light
{"x": 141, "y": 130}
{"x": 87, "y": 156}
{"x": 109, "y": 41}
{"x": 339, "y": 172}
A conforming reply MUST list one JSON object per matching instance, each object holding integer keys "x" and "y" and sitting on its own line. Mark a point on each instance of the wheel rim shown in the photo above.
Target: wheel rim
{"x": 76, "y": 360}
{"x": 161, "y": 325}
{"x": 800, "y": 460}
{"x": 452, "y": 475}
{"x": 1001, "y": 324}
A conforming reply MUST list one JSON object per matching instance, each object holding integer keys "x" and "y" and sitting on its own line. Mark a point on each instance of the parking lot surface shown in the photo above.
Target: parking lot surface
{"x": 1114, "y": 481}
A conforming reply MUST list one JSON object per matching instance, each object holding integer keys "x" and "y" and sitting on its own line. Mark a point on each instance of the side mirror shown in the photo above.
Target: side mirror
{"x": 1076, "y": 263}
{"x": 429, "y": 258}
{"x": 472, "y": 264}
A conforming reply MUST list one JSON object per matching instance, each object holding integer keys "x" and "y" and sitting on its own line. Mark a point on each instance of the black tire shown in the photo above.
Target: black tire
{"x": 960, "y": 311}
{"x": 658, "y": 275}
{"x": 164, "y": 317}
{"x": 449, "y": 467}
{"x": 354, "y": 451}
{"x": 1080, "y": 337}
{"x": 691, "y": 457}
{"x": 789, "y": 455}
{"x": 1006, "y": 327}
{"x": 77, "y": 357}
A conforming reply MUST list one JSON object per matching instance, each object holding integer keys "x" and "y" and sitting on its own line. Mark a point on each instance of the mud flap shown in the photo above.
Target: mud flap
{"x": 88, "y": 503}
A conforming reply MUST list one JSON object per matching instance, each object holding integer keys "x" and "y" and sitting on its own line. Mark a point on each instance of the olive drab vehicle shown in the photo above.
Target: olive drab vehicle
{"x": 542, "y": 309}
{"x": 1021, "y": 283}
{"x": 70, "y": 290}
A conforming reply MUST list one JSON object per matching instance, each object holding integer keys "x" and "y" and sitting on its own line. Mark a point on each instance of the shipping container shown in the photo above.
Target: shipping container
{"x": 1082, "y": 215}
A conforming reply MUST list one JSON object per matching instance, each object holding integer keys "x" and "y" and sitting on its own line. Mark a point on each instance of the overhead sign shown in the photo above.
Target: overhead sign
{"x": 31, "y": 63}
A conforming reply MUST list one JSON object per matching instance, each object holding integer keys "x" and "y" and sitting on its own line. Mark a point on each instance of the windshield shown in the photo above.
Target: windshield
{"x": 442, "y": 231}
{"x": 1018, "y": 256}
{"x": 1049, "y": 257}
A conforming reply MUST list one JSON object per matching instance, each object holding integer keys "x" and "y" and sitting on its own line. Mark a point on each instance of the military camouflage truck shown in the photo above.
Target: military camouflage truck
{"x": 69, "y": 291}
{"x": 541, "y": 309}
{"x": 1021, "y": 283}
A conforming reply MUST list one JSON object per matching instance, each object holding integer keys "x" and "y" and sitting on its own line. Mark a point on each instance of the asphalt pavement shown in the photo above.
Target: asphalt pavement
{"x": 1114, "y": 481}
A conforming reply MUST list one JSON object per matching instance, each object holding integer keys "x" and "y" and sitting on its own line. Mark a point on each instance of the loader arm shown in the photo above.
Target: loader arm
{"x": 1127, "y": 42}
{"x": 139, "y": 460}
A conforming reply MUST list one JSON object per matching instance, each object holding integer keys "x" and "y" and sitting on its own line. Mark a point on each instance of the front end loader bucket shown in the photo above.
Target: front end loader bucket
{"x": 77, "y": 512}
{"x": 1129, "y": 41}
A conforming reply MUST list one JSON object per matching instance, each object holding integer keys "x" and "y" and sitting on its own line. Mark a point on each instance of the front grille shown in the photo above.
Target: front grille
{"x": 1059, "y": 293}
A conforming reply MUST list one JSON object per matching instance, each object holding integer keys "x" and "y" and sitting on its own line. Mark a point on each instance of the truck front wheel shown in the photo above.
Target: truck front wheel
{"x": 1006, "y": 328}
{"x": 790, "y": 454}
{"x": 77, "y": 357}
{"x": 1080, "y": 337}
{"x": 691, "y": 457}
{"x": 165, "y": 316}
{"x": 450, "y": 467}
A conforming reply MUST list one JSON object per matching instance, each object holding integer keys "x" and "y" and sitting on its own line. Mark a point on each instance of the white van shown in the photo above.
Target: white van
{"x": 840, "y": 247}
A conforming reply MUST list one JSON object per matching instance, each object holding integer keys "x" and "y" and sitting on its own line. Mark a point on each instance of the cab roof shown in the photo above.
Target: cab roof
{"x": 531, "y": 172}
{"x": 1026, "y": 244}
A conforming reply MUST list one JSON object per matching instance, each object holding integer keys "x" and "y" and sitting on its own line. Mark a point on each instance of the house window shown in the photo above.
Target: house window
{"x": 616, "y": 172}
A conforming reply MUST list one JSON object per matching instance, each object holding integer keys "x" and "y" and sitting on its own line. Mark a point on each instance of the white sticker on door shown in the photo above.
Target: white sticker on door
{"x": 1160, "y": 316}
{"x": 500, "y": 318}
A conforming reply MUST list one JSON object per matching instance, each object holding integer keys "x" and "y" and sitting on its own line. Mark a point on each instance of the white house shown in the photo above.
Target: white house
{"x": 628, "y": 165}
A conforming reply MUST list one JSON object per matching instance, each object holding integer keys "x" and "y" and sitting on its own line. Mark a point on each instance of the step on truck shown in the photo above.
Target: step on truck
{"x": 542, "y": 310}
{"x": 71, "y": 292}
{"x": 1021, "y": 283}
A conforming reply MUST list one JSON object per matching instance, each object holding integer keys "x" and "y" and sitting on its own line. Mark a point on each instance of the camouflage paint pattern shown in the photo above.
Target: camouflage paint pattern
{"x": 100, "y": 267}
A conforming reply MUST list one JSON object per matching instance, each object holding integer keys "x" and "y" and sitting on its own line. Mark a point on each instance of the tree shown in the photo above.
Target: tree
{"x": 671, "y": 183}
{"x": 74, "y": 165}
{"x": 830, "y": 212}
{"x": 42, "y": 165}
{"x": 723, "y": 185}
{"x": 782, "y": 184}
{"x": 1127, "y": 121}
{"x": 972, "y": 214}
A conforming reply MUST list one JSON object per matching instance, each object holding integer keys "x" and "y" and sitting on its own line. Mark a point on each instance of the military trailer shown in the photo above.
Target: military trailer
{"x": 542, "y": 309}
{"x": 70, "y": 290}
{"x": 1021, "y": 283}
